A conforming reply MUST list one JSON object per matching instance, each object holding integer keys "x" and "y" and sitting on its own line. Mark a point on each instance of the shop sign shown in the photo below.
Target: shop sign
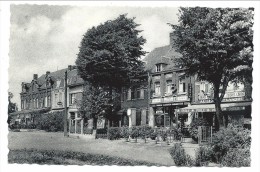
{"x": 168, "y": 99}
{"x": 234, "y": 94}
{"x": 180, "y": 98}
{"x": 156, "y": 100}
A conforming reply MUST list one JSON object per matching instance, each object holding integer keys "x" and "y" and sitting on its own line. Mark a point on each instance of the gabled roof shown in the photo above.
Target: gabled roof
{"x": 74, "y": 78}
{"x": 165, "y": 55}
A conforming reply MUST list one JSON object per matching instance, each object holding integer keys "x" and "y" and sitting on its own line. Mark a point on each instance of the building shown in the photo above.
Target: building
{"x": 134, "y": 99}
{"x": 37, "y": 97}
{"x": 174, "y": 98}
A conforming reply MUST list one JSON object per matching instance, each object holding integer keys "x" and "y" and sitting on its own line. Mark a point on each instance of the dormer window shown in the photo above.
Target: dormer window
{"x": 158, "y": 68}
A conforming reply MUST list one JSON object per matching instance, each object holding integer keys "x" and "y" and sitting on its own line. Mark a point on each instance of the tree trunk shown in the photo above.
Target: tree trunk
{"x": 110, "y": 108}
{"x": 217, "y": 101}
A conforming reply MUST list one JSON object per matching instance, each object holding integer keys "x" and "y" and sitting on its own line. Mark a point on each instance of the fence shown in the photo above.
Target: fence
{"x": 204, "y": 134}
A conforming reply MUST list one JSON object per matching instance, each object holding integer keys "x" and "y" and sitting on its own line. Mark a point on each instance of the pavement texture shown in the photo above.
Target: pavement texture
{"x": 149, "y": 152}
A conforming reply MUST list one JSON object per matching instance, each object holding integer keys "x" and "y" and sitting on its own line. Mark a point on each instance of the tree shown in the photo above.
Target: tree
{"x": 96, "y": 102}
{"x": 110, "y": 54}
{"x": 12, "y": 107}
{"x": 216, "y": 45}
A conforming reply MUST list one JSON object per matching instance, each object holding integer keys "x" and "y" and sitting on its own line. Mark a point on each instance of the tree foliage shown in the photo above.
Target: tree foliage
{"x": 12, "y": 107}
{"x": 96, "y": 101}
{"x": 109, "y": 56}
{"x": 110, "y": 53}
{"x": 216, "y": 45}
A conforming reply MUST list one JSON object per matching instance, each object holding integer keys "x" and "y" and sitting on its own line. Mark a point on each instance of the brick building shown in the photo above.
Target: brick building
{"x": 175, "y": 98}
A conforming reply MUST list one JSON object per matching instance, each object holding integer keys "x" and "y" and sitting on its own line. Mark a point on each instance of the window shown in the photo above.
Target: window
{"x": 34, "y": 103}
{"x": 72, "y": 98}
{"x": 138, "y": 93}
{"x": 169, "y": 87}
{"x": 182, "y": 86}
{"x": 129, "y": 94}
{"x": 22, "y": 104}
{"x": 138, "y": 117}
{"x": 158, "y": 67}
{"x": 204, "y": 87}
{"x": 141, "y": 93}
{"x": 147, "y": 117}
{"x": 37, "y": 103}
{"x": 45, "y": 101}
{"x": 48, "y": 101}
{"x": 157, "y": 88}
{"x": 132, "y": 93}
{"x": 60, "y": 97}
{"x": 56, "y": 98}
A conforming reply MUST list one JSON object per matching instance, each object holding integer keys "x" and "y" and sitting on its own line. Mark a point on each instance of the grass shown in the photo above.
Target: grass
{"x": 54, "y": 157}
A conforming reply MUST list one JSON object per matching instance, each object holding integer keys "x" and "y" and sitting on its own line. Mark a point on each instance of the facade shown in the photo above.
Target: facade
{"x": 75, "y": 90}
{"x": 173, "y": 98}
{"x": 135, "y": 100}
{"x": 37, "y": 97}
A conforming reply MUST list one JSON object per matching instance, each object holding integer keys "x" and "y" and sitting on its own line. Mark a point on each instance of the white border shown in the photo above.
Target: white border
{"x": 5, "y": 24}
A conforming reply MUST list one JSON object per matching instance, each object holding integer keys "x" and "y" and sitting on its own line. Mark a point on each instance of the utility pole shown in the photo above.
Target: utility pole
{"x": 65, "y": 107}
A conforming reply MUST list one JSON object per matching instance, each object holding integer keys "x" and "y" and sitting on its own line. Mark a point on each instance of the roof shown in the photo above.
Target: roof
{"x": 211, "y": 107}
{"x": 165, "y": 55}
{"x": 54, "y": 75}
{"x": 74, "y": 78}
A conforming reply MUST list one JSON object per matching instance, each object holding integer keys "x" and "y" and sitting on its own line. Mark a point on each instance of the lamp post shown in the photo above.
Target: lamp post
{"x": 65, "y": 106}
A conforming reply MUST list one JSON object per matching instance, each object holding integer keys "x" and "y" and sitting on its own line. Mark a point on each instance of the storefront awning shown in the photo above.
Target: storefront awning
{"x": 211, "y": 107}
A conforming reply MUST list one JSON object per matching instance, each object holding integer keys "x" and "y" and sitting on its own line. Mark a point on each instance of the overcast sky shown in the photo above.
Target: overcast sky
{"x": 46, "y": 38}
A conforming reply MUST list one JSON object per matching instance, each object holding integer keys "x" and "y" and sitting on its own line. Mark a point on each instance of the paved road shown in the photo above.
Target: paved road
{"x": 149, "y": 152}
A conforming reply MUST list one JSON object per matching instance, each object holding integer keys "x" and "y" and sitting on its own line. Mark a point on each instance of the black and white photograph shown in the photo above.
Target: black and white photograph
{"x": 119, "y": 84}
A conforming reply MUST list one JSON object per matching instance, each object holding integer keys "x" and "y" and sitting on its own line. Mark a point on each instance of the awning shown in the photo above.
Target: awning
{"x": 211, "y": 107}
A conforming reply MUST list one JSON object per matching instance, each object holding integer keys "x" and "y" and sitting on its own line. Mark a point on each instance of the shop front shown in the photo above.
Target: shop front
{"x": 237, "y": 112}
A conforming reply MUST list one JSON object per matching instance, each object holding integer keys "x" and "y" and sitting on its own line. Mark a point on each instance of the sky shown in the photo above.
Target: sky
{"x": 47, "y": 38}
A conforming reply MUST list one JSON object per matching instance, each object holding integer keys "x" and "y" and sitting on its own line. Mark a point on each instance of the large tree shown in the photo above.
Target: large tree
{"x": 110, "y": 55}
{"x": 216, "y": 45}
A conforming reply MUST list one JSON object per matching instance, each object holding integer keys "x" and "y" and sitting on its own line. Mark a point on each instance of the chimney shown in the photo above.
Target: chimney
{"x": 35, "y": 76}
{"x": 47, "y": 73}
{"x": 70, "y": 67}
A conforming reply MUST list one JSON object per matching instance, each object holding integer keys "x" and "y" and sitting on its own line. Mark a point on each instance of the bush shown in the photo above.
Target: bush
{"x": 114, "y": 133}
{"x": 145, "y": 132}
{"x": 135, "y": 132}
{"x": 153, "y": 134}
{"x": 50, "y": 122}
{"x": 228, "y": 138}
{"x": 237, "y": 158}
{"x": 194, "y": 127}
{"x": 204, "y": 155}
{"x": 87, "y": 130}
{"x": 176, "y": 132}
{"x": 125, "y": 133}
{"x": 179, "y": 156}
